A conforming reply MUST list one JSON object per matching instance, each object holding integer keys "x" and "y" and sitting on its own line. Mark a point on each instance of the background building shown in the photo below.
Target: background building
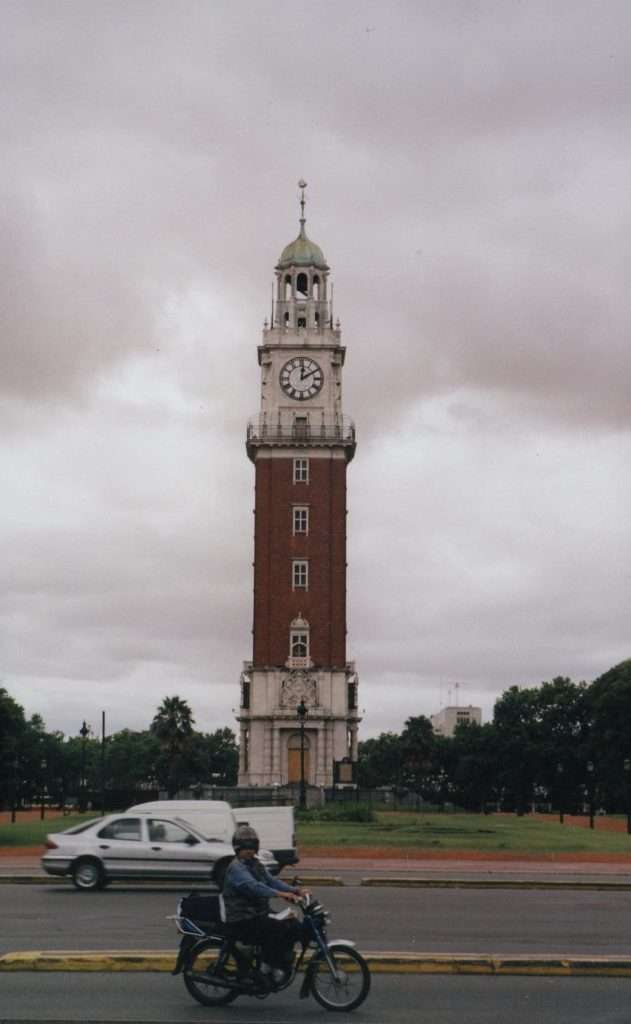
{"x": 445, "y": 721}
{"x": 300, "y": 444}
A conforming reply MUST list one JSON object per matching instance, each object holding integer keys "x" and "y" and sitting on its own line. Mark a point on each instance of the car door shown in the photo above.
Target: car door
{"x": 120, "y": 847}
{"x": 174, "y": 852}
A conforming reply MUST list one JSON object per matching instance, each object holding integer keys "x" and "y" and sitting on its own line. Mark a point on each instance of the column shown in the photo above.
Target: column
{"x": 321, "y": 752}
{"x": 275, "y": 752}
{"x": 354, "y": 742}
{"x": 242, "y": 732}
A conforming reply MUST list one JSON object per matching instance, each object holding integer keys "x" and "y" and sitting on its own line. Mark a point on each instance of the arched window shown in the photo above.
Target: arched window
{"x": 286, "y": 319}
{"x": 299, "y": 643}
{"x": 294, "y": 742}
{"x": 302, "y": 285}
{"x": 288, "y": 294}
{"x": 316, "y": 288}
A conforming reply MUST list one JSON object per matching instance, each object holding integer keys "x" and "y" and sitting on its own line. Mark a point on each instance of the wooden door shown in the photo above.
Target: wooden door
{"x": 293, "y": 765}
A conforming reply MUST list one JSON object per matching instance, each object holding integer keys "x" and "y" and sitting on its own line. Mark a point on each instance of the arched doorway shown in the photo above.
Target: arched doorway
{"x": 293, "y": 758}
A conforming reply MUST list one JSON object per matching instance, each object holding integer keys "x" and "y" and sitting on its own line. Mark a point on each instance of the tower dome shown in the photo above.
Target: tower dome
{"x": 302, "y": 252}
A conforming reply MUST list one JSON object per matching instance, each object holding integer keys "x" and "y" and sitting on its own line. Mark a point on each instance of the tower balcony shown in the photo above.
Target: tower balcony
{"x": 325, "y": 434}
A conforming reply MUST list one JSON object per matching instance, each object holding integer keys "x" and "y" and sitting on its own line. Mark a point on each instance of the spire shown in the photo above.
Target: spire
{"x": 302, "y": 184}
{"x": 302, "y": 252}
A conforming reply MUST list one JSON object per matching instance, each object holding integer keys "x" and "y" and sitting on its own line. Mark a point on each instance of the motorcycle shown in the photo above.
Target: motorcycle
{"x": 217, "y": 968}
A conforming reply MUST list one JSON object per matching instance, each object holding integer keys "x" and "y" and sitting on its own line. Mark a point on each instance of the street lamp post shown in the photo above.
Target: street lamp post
{"x": 560, "y": 791}
{"x": 14, "y": 801}
{"x": 84, "y": 732}
{"x": 590, "y": 791}
{"x": 627, "y": 770}
{"x": 102, "y": 763}
{"x": 42, "y": 809}
{"x": 301, "y": 711}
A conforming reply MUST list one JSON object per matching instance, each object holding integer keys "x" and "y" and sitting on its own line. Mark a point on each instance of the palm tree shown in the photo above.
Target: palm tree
{"x": 173, "y": 727}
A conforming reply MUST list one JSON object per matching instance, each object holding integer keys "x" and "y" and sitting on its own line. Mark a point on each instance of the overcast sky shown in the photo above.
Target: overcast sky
{"x": 469, "y": 169}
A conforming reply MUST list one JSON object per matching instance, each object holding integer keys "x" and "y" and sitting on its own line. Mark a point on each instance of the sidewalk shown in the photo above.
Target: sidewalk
{"x": 571, "y": 870}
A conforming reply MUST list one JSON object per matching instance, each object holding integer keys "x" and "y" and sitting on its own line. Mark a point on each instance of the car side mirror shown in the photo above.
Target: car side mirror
{"x": 191, "y": 841}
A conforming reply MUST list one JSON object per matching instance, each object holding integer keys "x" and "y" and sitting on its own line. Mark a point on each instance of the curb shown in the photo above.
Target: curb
{"x": 392, "y": 882}
{"x": 380, "y": 963}
{"x": 493, "y": 883}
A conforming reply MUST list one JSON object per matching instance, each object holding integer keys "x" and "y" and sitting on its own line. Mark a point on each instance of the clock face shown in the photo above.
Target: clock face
{"x": 301, "y": 378}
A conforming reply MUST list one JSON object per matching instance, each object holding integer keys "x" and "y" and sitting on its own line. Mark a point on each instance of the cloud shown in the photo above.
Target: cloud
{"x": 468, "y": 169}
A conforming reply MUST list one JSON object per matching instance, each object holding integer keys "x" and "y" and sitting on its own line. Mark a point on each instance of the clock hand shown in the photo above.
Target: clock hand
{"x": 309, "y": 373}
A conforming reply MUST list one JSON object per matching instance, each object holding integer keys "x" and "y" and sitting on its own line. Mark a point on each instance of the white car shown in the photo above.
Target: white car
{"x": 138, "y": 846}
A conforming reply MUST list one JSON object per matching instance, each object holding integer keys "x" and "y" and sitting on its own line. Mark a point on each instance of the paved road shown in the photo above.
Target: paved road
{"x": 352, "y": 870}
{"x": 419, "y": 920}
{"x": 402, "y": 1000}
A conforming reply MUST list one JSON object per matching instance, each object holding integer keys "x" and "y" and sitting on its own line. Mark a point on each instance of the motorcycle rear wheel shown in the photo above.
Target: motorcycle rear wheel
{"x": 202, "y": 968}
{"x": 349, "y": 986}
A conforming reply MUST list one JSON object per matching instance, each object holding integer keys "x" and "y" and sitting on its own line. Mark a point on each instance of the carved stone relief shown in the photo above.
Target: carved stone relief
{"x": 298, "y": 686}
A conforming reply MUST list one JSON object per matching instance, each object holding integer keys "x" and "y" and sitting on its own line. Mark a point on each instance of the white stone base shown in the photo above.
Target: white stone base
{"x": 270, "y": 726}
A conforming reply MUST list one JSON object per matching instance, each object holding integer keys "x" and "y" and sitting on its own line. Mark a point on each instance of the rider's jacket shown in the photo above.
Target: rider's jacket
{"x": 247, "y": 889}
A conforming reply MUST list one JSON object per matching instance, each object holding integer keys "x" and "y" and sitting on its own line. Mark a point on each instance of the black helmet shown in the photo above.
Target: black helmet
{"x": 245, "y": 838}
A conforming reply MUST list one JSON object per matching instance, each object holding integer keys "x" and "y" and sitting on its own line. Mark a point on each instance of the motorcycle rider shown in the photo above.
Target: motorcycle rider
{"x": 247, "y": 890}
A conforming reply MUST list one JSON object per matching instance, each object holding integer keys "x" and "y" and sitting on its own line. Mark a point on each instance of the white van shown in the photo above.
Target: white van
{"x": 275, "y": 826}
{"x": 216, "y": 819}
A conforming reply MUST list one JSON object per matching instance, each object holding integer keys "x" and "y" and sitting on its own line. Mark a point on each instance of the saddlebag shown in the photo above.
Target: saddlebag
{"x": 204, "y": 909}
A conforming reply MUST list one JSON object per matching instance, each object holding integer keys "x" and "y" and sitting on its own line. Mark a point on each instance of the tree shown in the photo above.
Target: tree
{"x": 563, "y": 740}
{"x": 543, "y": 742}
{"x": 417, "y": 743}
{"x": 609, "y": 701}
{"x": 474, "y": 765}
{"x": 173, "y": 726}
{"x": 380, "y": 761}
{"x": 132, "y": 759}
{"x": 515, "y": 719}
{"x": 12, "y": 729}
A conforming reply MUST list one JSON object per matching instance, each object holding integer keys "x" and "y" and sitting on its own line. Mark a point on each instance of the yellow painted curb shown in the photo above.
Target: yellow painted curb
{"x": 379, "y": 963}
{"x": 95, "y": 960}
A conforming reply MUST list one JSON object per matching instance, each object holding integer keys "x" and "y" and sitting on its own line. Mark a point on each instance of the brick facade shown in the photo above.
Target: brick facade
{"x": 276, "y": 604}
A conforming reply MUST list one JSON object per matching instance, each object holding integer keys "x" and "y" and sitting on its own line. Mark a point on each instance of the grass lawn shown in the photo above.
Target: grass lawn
{"x": 470, "y": 832}
{"x": 33, "y": 831}
{"x": 403, "y": 830}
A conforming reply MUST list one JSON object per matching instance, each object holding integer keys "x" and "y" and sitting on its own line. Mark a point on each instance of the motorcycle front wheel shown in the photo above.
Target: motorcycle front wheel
{"x": 348, "y": 986}
{"x": 201, "y": 975}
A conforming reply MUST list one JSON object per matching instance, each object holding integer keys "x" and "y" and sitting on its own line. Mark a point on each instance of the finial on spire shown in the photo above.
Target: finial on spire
{"x": 302, "y": 184}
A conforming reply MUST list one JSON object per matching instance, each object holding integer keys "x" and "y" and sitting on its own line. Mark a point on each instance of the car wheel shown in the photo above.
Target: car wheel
{"x": 88, "y": 874}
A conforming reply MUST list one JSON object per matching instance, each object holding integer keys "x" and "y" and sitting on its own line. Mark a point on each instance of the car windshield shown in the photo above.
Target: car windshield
{"x": 82, "y": 827}
{"x": 189, "y": 828}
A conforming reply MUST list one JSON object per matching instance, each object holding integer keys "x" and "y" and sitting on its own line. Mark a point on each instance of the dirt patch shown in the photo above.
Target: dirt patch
{"x": 22, "y": 851}
{"x": 33, "y": 815}
{"x": 601, "y": 822}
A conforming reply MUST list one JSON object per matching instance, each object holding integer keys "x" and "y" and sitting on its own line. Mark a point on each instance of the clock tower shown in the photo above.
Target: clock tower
{"x": 300, "y": 443}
